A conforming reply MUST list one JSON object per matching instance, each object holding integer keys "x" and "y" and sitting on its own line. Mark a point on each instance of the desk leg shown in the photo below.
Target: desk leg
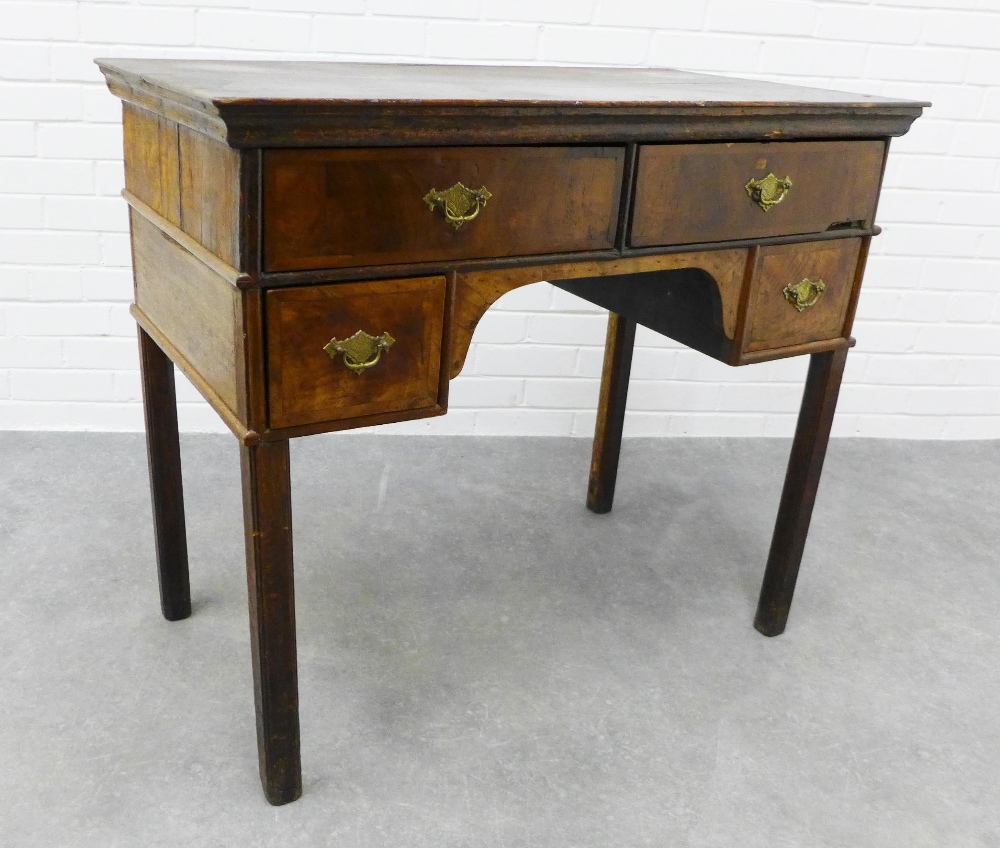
{"x": 812, "y": 434}
{"x": 267, "y": 515}
{"x": 610, "y": 413}
{"x": 164, "y": 453}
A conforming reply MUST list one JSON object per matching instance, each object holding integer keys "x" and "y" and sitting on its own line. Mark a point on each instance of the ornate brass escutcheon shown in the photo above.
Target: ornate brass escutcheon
{"x": 459, "y": 203}
{"x": 361, "y": 351}
{"x": 769, "y": 191}
{"x": 804, "y": 294}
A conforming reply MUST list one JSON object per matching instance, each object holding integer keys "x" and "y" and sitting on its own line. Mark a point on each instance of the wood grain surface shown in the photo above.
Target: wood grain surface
{"x": 476, "y": 291}
{"x": 151, "y": 161}
{"x": 276, "y": 206}
{"x": 307, "y": 386}
{"x": 798, "y": 495}
{"x": 187, "y": 178}
{"x": 773, "y": 321}
{"x": 190, "y": 304}
{"x": 303, "y": 104}
{"x": 210, "y": 193}
{"x": 334, "y": 208}
{"x": 159, "y": 403}
{"x": 267, "y": 525}
{"x": 697, "y": 192}
{"x": 607, "y": 447}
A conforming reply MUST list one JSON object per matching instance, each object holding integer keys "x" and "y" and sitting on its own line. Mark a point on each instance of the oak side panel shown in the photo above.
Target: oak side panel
{"x": 189, "y": 304}
{"x": 342, "y": 208}
{"x": 210, "y": 194}
{"x": 151, "y": 161}
{"x": 689, "y": 193}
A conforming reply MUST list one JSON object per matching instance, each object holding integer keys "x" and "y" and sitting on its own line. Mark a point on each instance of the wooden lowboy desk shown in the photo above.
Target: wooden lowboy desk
{"x": 314, "y": 244}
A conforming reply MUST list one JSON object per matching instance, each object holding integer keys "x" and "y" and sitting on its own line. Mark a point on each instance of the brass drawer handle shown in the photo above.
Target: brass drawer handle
{"x": 804, "y": 294}
{"x": 459, "y": 203}
{"x": 769, "y": 191}
{"x": 361, "y": 351}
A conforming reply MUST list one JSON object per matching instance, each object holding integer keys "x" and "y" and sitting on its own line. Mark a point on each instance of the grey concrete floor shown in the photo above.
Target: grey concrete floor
{"x": 485, "y": 663}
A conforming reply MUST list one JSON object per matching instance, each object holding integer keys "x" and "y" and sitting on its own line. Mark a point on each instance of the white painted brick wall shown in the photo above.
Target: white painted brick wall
{"x": 927, "y": 364}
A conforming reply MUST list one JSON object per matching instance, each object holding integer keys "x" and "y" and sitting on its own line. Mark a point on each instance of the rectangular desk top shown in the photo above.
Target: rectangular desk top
{"x": 251, "y": 104}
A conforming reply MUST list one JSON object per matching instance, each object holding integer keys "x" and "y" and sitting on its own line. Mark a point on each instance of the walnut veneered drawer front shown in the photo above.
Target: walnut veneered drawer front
{"x": 348, "y": 350}
{"x": 340, "y": 208}
{"x": 687, "y": 193}
{"x": 800, "y": 293}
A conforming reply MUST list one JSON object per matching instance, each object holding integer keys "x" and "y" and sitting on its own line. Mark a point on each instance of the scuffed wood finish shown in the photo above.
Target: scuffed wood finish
{"x": 773, "y": 321}
{"x": 288, "y": 279}
{"x": 307, "y": 386}
{"x": 151, "y": 161}
{"x": 187, "y": 178}
{"x": 808, "y": 348}
{"x": 275, "y": 206}
{"x": 222, "y": 269}
{"x": 318, "y": 104}
{"x": 251, "y": 362}
{"x": 335, "y": 208}
{"x": 610, "y": 413}
{"x": 210, "y": 194}
{"x": 697, "y": 192}
{"x": 859, "y": 273}
{"x": 165, "y": 484}
{"x": 476, "y": 291}
{"x": 190, "y": 304}
{"x": 819, "y": 401}
{"x": 267, "y": 511}
{"x": 229, "y": 418}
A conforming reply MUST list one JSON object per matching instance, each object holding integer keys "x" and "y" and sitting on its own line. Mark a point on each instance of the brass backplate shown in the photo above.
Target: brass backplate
{"x": 361, "y": 351}
{"x": 769, "y": 191}
{"x": 459, "y": 203}
{"x": 804, "y": 294}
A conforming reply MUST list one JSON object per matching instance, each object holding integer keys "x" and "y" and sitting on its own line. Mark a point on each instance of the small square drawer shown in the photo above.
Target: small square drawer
{"x": 688, "y": 193}
{"x": 344, "y": 207}
{"x": 800, "y": 293}
{"x": 348, "y": 350}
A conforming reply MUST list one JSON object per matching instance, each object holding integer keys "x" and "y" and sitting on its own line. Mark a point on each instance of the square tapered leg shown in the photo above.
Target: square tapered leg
{"x": 267, "y": 511}
{"x": 166, "y": 489}
{"x": 611, "y": 413}
{"x": 812, "y": 434}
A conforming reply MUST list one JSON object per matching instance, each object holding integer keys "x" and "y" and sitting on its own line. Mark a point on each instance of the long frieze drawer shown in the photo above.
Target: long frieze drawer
{"x": 347, "y": 207}
{"x": 688, "y": 193}
{"x": 800, "y": 293}
{"x": 350, "y": 350}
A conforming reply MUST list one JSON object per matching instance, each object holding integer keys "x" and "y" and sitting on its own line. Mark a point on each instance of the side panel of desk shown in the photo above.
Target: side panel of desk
{"x": 188, "y": 178}
{"x": 185, "y": 305}
{"x": 192, "y": 201}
